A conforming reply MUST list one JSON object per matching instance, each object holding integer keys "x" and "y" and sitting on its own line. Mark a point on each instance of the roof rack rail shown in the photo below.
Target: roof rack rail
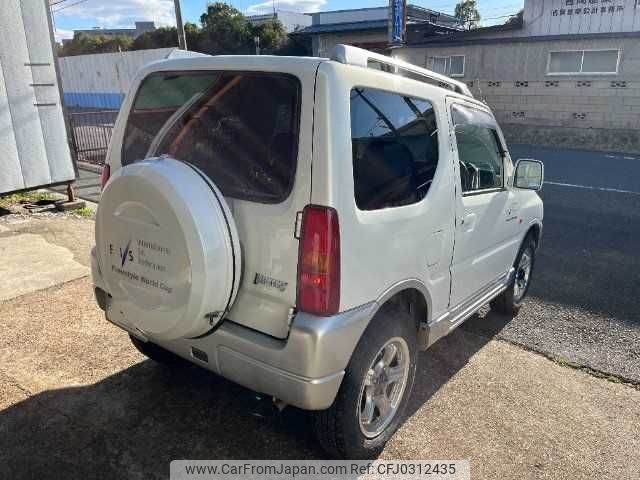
{"x": 364, "y": 58}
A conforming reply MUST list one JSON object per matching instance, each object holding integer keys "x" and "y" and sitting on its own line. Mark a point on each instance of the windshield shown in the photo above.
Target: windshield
{"x": 239, "y": 128}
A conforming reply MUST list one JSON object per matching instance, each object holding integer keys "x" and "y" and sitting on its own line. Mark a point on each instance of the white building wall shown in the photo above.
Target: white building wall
{"x": 101, "y": 80}
{"x": 355, "y": 15}
{"x": 597, "y": 111}
{"x": 33, "y": 140}
{"x": 323, "y": 44}
{"x": 292, "y": 21}
{"x": 558, "y": 17}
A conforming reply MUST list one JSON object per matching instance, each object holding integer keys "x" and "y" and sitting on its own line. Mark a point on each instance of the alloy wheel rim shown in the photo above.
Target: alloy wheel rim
{"x": 523, "y": 274}
{"x": 383, "y": 387}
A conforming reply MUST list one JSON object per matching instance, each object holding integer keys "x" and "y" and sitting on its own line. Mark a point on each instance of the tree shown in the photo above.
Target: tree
{"x": 515, "y": 19}
{"x": 296, "y": 46}
{"x": 272, "y": 36}
{"x": 467, "y": 13}
{"x": 158, "y": 38}
{"x": 225, "y": 30}
{"x": 82, "y": 44}
{"x": 167, "y": 37}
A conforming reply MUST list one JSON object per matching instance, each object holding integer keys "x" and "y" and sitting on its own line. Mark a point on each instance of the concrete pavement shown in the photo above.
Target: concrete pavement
{"x": 31, "y": 263}
{"x": 41, "y": 251}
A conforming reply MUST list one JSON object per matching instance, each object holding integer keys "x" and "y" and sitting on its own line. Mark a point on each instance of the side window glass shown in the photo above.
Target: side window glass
{"x": 395, "y": 148}
{"x": 480, "y": 153}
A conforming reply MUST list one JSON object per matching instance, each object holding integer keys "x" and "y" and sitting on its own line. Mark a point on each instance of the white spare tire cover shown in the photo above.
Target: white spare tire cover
{"x": 168, "y": 249}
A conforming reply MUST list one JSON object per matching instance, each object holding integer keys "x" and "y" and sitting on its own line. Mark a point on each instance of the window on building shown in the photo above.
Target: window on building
{"x": 439, "y": 64}
{"x": 452, "y": 66}
{"x": 480, "y": 153}
{"x": 583, "y": 61}
{"x": 395, "y": 148}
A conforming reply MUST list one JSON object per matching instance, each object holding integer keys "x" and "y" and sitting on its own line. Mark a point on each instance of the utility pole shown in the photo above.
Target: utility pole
{"x": 56, "y": 67}
{"x": 182, "y": 39}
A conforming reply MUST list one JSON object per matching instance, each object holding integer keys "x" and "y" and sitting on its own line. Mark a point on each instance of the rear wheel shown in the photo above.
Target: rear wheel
{"x": 510, "y": 301}
{"x": 373, "y": 396}
{"x": 157, "y": 354}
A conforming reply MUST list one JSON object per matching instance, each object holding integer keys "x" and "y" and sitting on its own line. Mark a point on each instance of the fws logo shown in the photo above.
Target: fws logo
{"x": 125, "y": 253}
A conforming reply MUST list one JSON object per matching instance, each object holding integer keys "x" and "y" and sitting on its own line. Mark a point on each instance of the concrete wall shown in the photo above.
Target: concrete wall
{"x": 140, "y": 28}
{"x": 101, "y": 80}
{"x": 291, "y": 21}
{"x": 33, "y": 141}
{"x": 586, "y": 111}
{"x": 323, "y": 44}
{"x": 353, "y": 15}
{"x": 557, "y": 17}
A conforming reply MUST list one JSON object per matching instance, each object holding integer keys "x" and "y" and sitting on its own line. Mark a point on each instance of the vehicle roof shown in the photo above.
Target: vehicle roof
{"x": 235, "y": 62}
{"x": 268, "y": 63}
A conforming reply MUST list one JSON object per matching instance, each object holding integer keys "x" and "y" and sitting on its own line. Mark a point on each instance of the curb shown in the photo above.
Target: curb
{"x": 90, "y": 167}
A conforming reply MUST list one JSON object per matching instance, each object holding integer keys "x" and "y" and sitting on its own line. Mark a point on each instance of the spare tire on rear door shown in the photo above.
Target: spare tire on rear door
{"x": 168, "y": 249}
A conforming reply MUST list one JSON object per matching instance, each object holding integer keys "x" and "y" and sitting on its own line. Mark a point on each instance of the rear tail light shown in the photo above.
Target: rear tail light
{"x": 319, "y": 261}
{"x": 104, "y": 178}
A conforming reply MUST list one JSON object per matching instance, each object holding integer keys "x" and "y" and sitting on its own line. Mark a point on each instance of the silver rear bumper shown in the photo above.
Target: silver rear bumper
{"x": 304, "y": 370}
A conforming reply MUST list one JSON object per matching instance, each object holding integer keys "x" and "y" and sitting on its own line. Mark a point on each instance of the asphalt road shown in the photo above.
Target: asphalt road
{"x": 584, "y": 304}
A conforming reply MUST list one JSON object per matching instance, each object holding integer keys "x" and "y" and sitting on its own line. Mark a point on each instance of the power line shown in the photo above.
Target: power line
{"x": 56, "y": 2}
{"x": 452, "y": 6}
{"x": 67, "y": 6}
{"x": 502, "y": 16}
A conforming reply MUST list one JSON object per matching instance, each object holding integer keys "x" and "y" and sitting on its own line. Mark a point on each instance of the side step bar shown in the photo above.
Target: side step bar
{"x": 453, "y": 318}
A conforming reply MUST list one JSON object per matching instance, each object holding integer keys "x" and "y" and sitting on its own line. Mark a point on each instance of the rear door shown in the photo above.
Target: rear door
{"x": 484, "y": 234}
{"x": 250, "y": 133}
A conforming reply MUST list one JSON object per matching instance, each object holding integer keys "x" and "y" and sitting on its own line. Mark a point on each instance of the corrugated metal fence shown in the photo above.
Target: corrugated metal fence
{"x": 94, "y": 87}
{"x": 91, "y": 132}
{"x": 33, "y": 142}
{"x": 101, "y": 80}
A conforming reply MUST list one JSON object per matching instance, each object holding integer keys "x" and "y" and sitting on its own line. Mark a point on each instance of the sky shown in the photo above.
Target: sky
{"x": 79, "y": 14}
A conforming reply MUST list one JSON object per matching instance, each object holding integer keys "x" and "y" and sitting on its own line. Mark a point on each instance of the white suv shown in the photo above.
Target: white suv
{"x": 304, "y": 226}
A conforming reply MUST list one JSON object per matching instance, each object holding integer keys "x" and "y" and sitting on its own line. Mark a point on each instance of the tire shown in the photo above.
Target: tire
{"x": 158, "y": 354}
{"x": 339, "y": 429}
{"x": 510, "y": 301}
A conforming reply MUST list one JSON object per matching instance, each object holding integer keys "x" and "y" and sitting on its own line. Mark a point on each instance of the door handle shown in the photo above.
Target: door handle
{"x": 468, "y": 222}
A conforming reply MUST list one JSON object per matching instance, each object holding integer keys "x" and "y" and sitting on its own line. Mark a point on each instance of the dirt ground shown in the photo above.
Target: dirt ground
{"x": 78, "y": 401}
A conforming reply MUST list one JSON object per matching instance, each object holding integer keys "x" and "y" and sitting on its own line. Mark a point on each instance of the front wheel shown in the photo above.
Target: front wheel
{"x": 373, "y": 396}
{"x": 510, "y": 301}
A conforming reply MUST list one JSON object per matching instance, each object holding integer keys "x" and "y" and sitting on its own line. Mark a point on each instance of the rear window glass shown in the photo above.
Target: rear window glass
{"x": 239, "y": 128}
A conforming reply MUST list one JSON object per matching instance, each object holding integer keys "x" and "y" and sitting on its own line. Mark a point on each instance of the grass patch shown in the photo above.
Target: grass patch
{"x": 83, "y": 212}
{"x": 14, "y": 198}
